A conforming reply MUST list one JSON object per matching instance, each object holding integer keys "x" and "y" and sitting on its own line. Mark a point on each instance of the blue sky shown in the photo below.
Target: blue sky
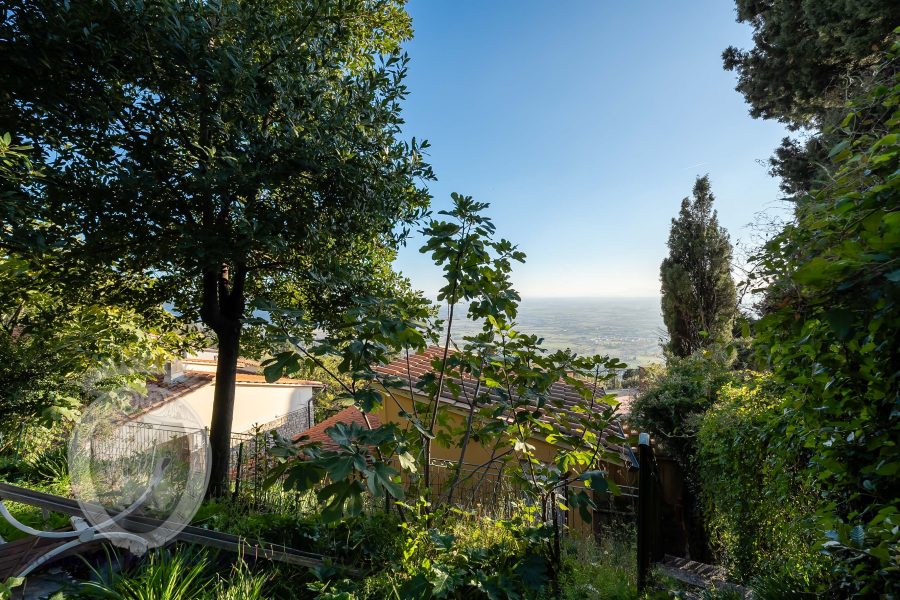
{"x": 584, "y": 124}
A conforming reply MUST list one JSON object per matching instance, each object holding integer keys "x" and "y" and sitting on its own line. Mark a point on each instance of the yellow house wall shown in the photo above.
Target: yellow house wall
{"x": 476, "y": 453}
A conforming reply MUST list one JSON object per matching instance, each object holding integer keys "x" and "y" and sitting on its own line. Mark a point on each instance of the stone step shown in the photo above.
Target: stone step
{"x": 699, "y": 575}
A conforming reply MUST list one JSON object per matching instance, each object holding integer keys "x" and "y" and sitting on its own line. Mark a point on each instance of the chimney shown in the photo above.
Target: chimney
{"x": 173, "y": 371}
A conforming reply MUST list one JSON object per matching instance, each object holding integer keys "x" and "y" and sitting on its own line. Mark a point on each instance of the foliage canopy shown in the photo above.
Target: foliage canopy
{"x": 806, "y": 53}
{"x": 235, "y": 151}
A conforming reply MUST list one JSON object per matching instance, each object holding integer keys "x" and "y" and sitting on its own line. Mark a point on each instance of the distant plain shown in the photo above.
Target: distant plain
{"x": 627, "y": 328}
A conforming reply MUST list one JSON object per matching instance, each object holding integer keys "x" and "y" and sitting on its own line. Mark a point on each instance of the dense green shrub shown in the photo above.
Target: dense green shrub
{"x": 831, "y": 337}
{"x": 444, "y": 553}
{"x": 451, "y": 554}
{"x": 362, "y": 541}
{"x": 677, "y": 396}
{"x": 60, "y": 349}
{"x": 759, "y": 501}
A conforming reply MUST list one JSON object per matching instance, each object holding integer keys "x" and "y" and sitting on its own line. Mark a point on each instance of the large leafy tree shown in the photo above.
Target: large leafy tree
{"x": 698, "y": 294}
{"x": 808, "y": 58}
{"x": 236, "y": 151}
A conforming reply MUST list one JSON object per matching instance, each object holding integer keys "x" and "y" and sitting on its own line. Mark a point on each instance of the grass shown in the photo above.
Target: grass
{"x": 179, "y": 574}
{"x": 47, "y": 472}
{"x": 162, "y": 576}
{"x": 605, "y": 570}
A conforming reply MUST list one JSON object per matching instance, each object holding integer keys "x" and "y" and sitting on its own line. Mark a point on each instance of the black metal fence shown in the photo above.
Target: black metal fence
{"x": 123, "y": 441}
{"x": 484, "y": 491}
{"x": 250, "y": 469}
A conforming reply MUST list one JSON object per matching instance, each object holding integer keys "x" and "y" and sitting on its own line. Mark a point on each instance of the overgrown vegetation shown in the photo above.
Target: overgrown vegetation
{"x": 275, "y": 181}
{"x": 501, "y": 377}
{"x": 833, "y": 338}
{"x": 797, "y": 467}
{"x": 677, "y": 397}
{"x": 759, "y": 506}
{"x": 600, "y": 569}
{"x": 452, "y": 556}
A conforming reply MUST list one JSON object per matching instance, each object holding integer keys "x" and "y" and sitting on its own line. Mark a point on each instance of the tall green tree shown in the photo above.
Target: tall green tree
{"x": 699, "y": 299}
{"x": 808, "y": 58}
{"x": 237, "y": 151}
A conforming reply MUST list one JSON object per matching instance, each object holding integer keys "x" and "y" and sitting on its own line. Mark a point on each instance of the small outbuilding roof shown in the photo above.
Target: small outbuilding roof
{"x": 161, "y": 391}
{"x": 349, "y": 415}
{"x": 254, "y": 378}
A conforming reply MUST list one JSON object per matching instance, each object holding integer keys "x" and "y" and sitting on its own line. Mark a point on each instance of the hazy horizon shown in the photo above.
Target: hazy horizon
{"x": 627, "y": 328}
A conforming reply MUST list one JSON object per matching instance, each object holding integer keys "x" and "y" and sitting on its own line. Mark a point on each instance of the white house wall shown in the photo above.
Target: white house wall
{"x": 201, "y": 400}
{"x": 257, "y": 404}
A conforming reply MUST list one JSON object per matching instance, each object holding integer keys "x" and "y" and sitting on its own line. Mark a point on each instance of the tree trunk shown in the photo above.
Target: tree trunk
{"x": 222, "y": 311}
{"x": 223, "y": 411}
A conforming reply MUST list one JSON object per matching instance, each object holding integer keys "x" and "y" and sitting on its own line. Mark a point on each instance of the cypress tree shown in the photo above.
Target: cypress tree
{"x": 698, "y": 293}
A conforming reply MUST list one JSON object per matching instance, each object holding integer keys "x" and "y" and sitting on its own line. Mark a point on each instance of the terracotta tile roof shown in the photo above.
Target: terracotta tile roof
{"x": 244, "y": 365}
{"x": 349, "y": 415}
{"x": 253, "y": 378}
{"x": 215, "y": 351}
{"x": 626, "y": 401}
{"x": 420, "y": 364}
{"x": 161, "y": 392}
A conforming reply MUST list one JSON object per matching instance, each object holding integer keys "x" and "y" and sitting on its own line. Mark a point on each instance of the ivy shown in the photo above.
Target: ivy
{"x": 831, "y": 340}
{"x": 757, "y": 493}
